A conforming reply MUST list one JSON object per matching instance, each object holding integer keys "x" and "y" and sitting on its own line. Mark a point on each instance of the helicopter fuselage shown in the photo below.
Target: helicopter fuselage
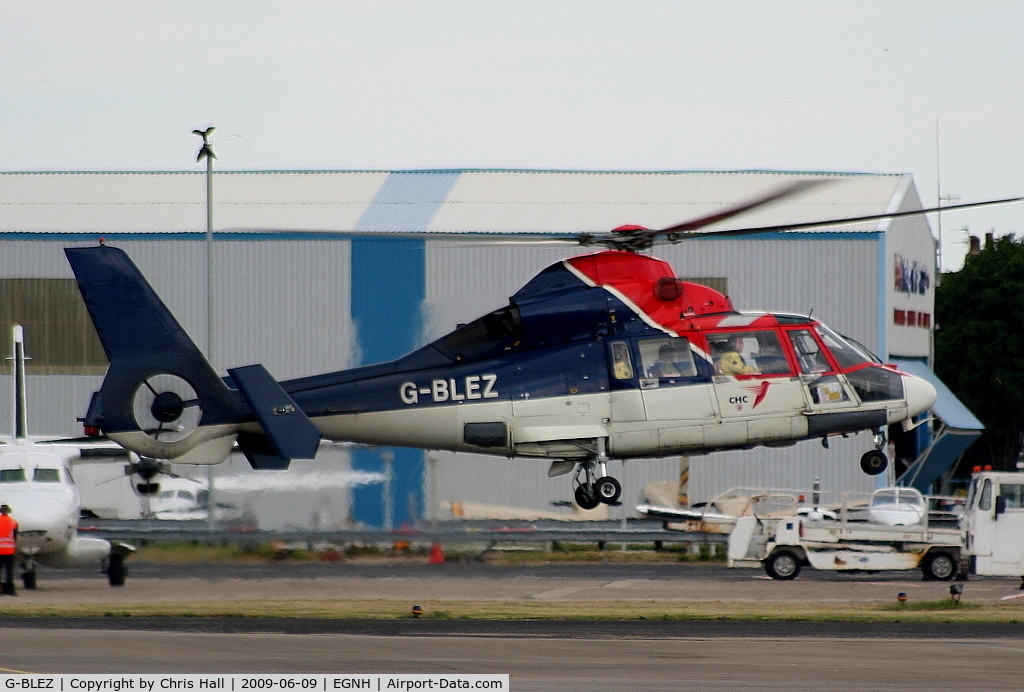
{"x": 599, "y": 356}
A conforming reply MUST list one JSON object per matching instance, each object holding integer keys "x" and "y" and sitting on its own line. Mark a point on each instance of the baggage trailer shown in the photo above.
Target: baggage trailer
{"x": 892, "y": 534}
{"x": 898, "y": 531}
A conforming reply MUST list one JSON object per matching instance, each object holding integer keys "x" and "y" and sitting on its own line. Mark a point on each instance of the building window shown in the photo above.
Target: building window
{"x": 59, "y": 337}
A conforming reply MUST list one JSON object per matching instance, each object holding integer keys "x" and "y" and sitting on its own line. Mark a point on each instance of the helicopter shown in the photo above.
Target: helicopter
{"x": 600, "y": 356}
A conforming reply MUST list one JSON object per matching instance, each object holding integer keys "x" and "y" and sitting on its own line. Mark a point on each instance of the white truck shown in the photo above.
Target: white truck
{"x": 896, "y": 530}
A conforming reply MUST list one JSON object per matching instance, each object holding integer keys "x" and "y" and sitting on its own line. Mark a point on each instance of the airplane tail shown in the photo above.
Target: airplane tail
{"x": 160, "y": 397}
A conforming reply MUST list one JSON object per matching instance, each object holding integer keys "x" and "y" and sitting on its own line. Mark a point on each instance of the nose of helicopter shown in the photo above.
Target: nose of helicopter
{"x": 920, "y": 395}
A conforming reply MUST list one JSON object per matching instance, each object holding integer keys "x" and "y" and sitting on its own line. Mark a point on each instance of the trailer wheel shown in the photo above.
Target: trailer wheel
{"x": 782, "y": 564}
{"x": 939, "y": 567}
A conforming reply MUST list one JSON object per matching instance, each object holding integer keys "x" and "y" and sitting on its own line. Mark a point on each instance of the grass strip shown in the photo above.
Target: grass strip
{"x": 933, "y": 611}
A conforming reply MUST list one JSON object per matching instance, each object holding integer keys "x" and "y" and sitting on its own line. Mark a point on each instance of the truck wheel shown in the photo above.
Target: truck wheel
{"x": 939, "y": 567}
{"x": 782, "y": 564}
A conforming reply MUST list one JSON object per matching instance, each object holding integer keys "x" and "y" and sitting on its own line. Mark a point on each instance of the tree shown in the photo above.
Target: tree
{"x": 979, "y": 344}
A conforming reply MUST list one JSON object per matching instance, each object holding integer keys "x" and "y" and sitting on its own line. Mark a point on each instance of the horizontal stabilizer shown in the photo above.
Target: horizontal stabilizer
{"x": 290, "y": 431}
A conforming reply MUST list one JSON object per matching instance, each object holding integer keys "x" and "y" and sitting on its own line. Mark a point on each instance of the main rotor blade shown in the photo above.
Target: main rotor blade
{"x": 729, "y": 212}
{"x": 755, "y": 230}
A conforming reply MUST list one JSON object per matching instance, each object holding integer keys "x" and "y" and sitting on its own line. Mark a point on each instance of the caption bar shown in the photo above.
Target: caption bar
{"x": 30, "y": 682}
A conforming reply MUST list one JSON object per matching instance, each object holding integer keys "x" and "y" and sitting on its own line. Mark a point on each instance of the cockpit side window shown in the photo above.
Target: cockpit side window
{"x": 748, "y": 353}
{"x": 46, "y": 475}
{"x": 667, "y": 358}
{"x": 808, "y": 352}
{"x": 12, "y": 475}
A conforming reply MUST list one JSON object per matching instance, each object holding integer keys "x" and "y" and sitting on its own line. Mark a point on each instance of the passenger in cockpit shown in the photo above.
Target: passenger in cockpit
{"x": 674, "y": 360}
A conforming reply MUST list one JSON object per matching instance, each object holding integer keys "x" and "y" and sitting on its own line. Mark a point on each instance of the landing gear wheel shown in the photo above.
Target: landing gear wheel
{"x": 116, "y": 570}
{"x": 783, "y": 565}
{"x": 939, "y": 567}
{"x": 28, "y": 580}
{"x": 586, "y": 499}
{"x": 607, "y": 490}
{"x": 873, "y": 462}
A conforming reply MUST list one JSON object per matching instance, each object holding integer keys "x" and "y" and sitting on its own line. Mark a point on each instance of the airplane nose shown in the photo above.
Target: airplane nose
{"x": 920, "y": 395}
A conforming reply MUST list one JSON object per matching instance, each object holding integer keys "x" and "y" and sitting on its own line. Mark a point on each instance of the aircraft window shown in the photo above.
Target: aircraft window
{"x": 1014, "y": 494}
{"x": 985, "y": 498}
{"x": 44, "y": 475}
{"x": 876, "y": 384}
{"x": 827, "y": 390}
{"x": 846, "y": 352}
{"x": 481, "y": 334}
{"x": 12, "y": 475}
{"x": 808, "y": 353}
{"x": 622, "y": 366}
{"x": 667, "y": 358}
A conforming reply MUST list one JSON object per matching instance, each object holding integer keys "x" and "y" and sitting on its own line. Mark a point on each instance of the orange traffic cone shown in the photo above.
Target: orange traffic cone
{"x": 436, "y": 554}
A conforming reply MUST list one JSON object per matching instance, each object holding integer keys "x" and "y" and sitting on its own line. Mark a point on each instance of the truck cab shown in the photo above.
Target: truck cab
{"x": 994, "y": 523}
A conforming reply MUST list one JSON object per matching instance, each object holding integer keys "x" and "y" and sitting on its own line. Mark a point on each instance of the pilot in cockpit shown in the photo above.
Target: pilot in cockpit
{"x": 731, "y": 361}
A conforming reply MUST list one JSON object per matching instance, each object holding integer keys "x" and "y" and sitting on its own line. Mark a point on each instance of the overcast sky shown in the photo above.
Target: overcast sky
{"x": 914, "y": 86}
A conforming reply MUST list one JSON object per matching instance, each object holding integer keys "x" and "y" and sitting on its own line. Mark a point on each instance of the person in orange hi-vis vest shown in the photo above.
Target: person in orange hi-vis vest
{"x": 8, "y": 548}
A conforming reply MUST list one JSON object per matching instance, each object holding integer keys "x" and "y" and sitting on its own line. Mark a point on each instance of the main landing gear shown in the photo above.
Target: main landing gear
{"x": 592, "y": 483}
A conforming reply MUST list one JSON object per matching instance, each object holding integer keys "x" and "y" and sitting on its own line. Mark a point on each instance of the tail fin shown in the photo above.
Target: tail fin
{"x": 160, "y": 397}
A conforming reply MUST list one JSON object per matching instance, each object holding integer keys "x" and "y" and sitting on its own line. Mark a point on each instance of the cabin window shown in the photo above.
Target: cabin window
{"x": 748, "y": 353}
{"x": 985, "y": 497}
{"x": 667, "y": 358}
{"x": 1013, "y": 494}
{"x": 12, "y": 475}
{"x": 808, "y": 352}
{"x": 44, "y": 475}
{"x": 622, "y": 364}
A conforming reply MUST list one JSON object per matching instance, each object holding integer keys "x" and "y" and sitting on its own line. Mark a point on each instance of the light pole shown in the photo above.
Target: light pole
{"x": 206, "y": 152}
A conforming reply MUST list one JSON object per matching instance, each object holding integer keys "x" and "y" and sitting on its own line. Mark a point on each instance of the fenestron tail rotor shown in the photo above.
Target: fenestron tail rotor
{"x": 166, "y": 407}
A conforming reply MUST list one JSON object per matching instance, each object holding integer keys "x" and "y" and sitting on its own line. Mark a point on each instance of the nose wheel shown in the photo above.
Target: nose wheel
{"x": 874, "y": 462}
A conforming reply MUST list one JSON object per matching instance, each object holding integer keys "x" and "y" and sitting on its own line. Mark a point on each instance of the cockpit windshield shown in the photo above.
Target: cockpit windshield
{"x": 40, "y": 474}
{"x": 46, "y": 475}
{"x": 12, "y": 475}
{"x": 847, "y": 354}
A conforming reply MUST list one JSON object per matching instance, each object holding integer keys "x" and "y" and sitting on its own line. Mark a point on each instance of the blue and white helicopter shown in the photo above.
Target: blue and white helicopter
{"x": 600, "y": 356}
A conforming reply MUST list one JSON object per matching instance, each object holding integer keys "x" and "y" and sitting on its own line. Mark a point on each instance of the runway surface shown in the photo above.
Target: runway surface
{"x": 622, "y": 655}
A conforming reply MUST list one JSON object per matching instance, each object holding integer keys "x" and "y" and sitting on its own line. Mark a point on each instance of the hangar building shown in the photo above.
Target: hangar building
{"x": 315, "y": 271}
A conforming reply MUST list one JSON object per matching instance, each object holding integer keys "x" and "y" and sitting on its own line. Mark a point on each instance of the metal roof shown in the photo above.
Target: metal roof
{"x": 469, "y": 200}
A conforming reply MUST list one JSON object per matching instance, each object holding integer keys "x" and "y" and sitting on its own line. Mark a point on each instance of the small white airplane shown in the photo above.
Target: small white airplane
{"x": 36, "y": 481}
